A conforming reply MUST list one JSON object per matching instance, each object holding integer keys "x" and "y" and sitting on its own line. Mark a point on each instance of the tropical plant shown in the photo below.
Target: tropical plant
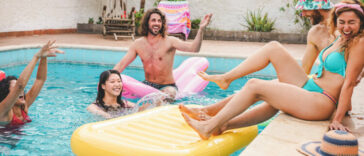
{"x": 195, "y": 24}
{"x": 91, "y": 20}
{"x": 299, "y": 19}
{"x": 256, "y": 22}
{"x": 138, "y": 17}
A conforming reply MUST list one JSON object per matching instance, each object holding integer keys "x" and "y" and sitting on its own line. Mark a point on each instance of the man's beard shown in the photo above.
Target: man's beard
{"x": 316, "y": 18}
{"x": 153, "y": 33}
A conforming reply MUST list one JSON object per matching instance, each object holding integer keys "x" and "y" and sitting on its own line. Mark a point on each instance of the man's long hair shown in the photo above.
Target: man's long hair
{"x": 144, "y": 29}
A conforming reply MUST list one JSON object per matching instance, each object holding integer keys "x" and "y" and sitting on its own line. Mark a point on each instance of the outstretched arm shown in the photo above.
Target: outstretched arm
{"x": 32, "y": 94}
{"x": 196, "y": 44}
{"x": 127, "y": 59}
{"x": 9, "y": 101}
{"x": 48, "y": 50}
{"x": 12, "y": 97}
{"x": 353, "y": 69}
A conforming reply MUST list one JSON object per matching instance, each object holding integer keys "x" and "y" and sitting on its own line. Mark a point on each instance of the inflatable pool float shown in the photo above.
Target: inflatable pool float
{"x": 186, "y": 78}
{"x": 2, "y": 75}
{"x": 160, "y": 131}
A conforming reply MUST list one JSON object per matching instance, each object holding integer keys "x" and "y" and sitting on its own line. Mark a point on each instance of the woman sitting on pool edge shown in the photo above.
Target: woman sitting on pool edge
{"x": 109, "y": 93}
{"x": 14, "y": 102}
{"x": 305, "y": 98}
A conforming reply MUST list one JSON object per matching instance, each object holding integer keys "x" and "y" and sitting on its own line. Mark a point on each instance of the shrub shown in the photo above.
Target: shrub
{"x": 90, "y": 20}
{"x": 138, "y": 17}
{"x": 256, "y": 22}
{"x": 195, "y": 24}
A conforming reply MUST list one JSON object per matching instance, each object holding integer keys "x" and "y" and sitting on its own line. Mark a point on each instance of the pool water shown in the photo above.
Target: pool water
{"x": 61, "y": 107}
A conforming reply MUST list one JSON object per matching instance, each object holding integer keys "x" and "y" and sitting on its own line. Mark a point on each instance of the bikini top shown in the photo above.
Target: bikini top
{"x": 17, "y": 121}
{"x": 334, "y": 62}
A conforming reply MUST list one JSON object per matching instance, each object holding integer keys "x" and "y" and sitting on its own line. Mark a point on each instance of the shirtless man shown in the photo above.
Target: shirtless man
{"x": 318, "y": 36}
{"x": 156, "y": 50}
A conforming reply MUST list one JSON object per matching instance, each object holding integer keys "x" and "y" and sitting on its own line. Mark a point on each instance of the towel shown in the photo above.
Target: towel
{"x": 178, "y": 16}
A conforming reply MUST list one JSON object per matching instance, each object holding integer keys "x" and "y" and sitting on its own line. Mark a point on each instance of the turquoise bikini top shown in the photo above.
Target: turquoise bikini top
{"x": 334, "y": 62}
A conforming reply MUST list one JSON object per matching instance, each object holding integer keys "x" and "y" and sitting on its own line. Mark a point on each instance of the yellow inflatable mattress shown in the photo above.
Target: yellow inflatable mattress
{"x": 159, "y": 131}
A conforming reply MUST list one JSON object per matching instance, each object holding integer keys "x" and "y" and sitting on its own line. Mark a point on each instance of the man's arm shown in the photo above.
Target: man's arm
{"x": 127, "y": 59}
{"x": 195, "y": 45}
{"x": 311, "y": 53}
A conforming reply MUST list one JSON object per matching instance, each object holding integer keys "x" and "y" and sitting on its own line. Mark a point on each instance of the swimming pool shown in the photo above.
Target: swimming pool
{"x": 71, "y": 86}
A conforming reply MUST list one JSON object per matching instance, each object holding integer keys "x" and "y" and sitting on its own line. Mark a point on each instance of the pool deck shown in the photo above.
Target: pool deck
{"x": 281, "y": 137}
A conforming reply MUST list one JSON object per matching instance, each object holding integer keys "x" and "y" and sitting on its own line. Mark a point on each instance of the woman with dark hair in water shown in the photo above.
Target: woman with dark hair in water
{"x": 109, "y": 93}
{"x": 14, "y": 102}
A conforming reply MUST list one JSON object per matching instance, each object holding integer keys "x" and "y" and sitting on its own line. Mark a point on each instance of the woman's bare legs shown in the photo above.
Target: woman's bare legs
{"x": 281, "y": 96}
{"x": 274, "y": 53}
{"x": 206, "y": 112}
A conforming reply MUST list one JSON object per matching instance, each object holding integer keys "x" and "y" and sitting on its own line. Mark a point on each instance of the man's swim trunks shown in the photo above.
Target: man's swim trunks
{"x": 159, "y": 86}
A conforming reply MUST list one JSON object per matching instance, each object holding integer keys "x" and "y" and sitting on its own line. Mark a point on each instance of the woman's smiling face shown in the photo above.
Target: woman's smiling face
{"x": 113, "y": 85}
{"x": 348, "y": 24}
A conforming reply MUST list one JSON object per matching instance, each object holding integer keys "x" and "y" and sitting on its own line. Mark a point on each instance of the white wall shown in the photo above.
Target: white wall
{"x": 229, "y": 14}
{"x": 23, "y": 15}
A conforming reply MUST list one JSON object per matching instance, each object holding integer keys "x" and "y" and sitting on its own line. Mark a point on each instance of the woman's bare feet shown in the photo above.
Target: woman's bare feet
{"x": 218, "y": 79}
{"x": 198, "y": 126}
{"x": 194, "y": 113}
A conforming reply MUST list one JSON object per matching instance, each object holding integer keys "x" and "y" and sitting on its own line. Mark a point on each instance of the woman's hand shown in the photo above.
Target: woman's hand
{"x": 143, "y": 107}
{"x": 48, "y": 50}
{"x": 336, "y": 125}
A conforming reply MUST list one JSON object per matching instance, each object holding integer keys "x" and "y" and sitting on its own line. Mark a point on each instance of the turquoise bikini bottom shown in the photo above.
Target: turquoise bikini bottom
{"x": 313, "y": 87}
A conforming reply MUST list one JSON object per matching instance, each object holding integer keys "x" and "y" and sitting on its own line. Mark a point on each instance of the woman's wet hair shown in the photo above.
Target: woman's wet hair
{"x": 4, "y": 87}
{"x": 104, "y": 76}
{"x": 144, "y": 26}
{"x": 332, "y": 22}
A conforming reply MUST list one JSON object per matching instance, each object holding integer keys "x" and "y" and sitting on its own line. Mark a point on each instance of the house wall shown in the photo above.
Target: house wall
{"x": 25, "y": 15}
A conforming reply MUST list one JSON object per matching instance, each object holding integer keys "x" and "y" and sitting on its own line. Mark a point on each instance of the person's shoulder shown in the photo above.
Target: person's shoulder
{"x": 358, "y": 47}
{"x": 140, "y": 40}
{"x": 92, "y": 106}
{"x": 318, "y": 28}
{"x": 360, "y": 44}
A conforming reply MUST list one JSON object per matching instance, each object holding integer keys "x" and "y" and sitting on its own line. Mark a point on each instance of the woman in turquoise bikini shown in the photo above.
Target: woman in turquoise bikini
{"x": 306, "y": 98}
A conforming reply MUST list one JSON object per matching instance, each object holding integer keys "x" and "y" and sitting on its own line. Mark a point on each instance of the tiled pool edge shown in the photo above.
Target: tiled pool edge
{"x": 284, "y": 135}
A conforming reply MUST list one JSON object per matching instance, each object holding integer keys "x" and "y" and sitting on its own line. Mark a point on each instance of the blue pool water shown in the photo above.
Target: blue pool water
{"x": 70, "y": 87}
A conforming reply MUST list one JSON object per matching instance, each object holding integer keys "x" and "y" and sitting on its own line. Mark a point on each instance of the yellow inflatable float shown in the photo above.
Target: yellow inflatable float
{"x": 159, "y": 131}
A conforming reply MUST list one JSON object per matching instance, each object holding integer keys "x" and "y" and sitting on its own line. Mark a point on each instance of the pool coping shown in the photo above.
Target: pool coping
{"x": 281, "y": 137}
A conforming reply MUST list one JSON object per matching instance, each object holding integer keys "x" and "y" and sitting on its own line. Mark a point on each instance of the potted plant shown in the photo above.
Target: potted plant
{"x": 90, "y": 27}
